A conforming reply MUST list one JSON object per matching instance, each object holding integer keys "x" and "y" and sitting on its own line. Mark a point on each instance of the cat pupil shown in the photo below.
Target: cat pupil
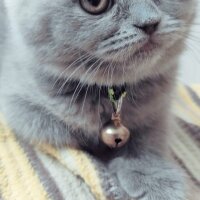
{"x": 94, "y": 2}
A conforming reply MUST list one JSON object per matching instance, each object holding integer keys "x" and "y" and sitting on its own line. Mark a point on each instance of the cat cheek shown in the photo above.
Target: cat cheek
{"x": 76, "y": 25}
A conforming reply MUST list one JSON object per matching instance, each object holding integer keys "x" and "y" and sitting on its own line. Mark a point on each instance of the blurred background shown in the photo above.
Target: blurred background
{"x": 190, "y": 61}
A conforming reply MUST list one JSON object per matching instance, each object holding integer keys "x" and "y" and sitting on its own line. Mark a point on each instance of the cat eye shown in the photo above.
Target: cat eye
{"x": 95, "y": 7}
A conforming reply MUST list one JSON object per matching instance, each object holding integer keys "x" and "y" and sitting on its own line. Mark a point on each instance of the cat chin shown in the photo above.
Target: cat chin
{"x": 131, "y": 70}
{"x": 148, "y": 65}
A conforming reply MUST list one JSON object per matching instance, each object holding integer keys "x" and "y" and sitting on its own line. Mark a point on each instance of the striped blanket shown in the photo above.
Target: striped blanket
{"x": 44, "y": 173}
{"x": 185, "y": 144}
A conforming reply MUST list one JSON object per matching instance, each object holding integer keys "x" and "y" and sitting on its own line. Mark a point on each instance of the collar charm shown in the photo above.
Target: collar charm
{"x": 114, "y": 134}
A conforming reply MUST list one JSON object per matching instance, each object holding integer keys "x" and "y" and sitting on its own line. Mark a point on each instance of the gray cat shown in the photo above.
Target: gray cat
{"x": 61, "y": 55}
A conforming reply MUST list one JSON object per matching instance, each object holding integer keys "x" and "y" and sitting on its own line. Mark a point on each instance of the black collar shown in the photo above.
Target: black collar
{"x": 62, "y": 88}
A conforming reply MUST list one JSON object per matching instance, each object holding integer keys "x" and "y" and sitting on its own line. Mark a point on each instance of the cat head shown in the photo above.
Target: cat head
{"x": 103, "y": 41}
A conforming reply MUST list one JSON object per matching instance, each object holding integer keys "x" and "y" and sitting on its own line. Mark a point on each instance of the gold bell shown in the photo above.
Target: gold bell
{"x": 114, "y": 134}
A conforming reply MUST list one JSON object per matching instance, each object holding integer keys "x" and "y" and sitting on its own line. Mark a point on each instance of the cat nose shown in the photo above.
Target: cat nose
{"x": 149, "y": 28}
{"x": 146, "y": 16}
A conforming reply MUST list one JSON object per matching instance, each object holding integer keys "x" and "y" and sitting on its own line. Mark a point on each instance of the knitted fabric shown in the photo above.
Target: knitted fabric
{"x": 20, "y": 178}
{"x": 44, "y": 172}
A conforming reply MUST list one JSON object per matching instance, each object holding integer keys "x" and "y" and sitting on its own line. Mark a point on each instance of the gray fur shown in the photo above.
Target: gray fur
{"x": 50, "y": 43}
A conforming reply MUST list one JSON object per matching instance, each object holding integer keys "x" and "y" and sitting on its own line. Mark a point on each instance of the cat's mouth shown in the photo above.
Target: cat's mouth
{"x": 146, "y": 49}
{"x": 135, "y": 51}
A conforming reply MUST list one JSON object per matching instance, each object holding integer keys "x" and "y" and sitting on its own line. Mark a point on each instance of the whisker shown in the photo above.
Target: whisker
{"x": 104, "y": 72}
{"x": 67, "y": 68}
{"x": 195, "y": 55}
{"x": 85, "y": 75}
{"x": 70, "y": 76}
{"x": 93, "y": 72}
{"x": 191, "y": 47}
{"x": 112, "y": 68}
